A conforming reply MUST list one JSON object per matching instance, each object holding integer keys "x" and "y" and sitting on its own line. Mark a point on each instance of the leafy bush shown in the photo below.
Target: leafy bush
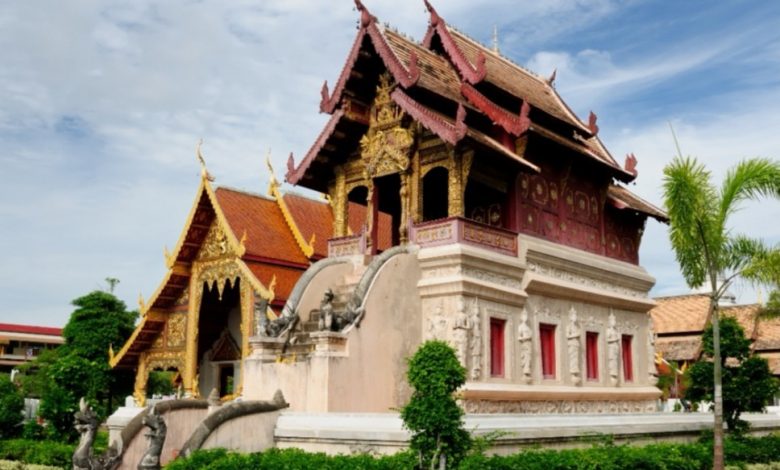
{"x": 755, "y": 453}
{"x": 289, "y": 459}
{"x": 432, "y": 414}
{"x": 37, "y": 452}
{"x": 32, "y": 430}
{"x": 11, "y": 408}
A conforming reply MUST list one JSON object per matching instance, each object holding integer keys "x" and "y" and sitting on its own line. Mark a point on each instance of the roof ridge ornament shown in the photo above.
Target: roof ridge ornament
{"x": 592, "y": 126}
{"x": 471, "y": 73}
{"x": 204, "y": 173}
{"x": 366, "y": 17}
{"x": 514, "y": 124}
{"x": 630, "y": 164}
{"x": 551, "y": 79}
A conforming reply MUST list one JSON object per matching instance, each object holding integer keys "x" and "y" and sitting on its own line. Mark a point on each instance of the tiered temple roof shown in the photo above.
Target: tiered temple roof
{"x": 458, "y": 89}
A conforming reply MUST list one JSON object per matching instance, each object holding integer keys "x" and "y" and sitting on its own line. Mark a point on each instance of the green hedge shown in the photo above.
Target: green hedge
{"x": 693, "y": 456}
{"x": 37, "y": 452}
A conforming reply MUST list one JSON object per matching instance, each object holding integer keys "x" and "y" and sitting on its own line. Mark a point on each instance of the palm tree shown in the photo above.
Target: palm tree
{"x": 707, "y": 250}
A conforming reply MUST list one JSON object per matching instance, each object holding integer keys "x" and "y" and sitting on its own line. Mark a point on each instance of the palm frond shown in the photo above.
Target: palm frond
{"x": 750, "y": 179}
{"x": 693, "y": 229}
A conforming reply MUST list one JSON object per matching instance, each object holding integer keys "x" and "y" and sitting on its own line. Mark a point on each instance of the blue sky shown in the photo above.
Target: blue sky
{"x": 102, "y": 103}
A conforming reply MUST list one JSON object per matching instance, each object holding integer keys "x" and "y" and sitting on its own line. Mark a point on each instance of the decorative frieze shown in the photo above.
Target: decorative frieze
{"x": 587, "y": 281}
{"x": 560, "y": 406}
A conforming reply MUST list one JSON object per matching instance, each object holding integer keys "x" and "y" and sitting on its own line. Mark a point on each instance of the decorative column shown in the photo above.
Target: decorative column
{"x": 339, "y": 203}
{"x": 141, "y": 377}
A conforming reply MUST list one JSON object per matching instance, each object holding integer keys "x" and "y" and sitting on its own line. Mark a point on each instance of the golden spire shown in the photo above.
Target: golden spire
{"x": 204, "y": 173}
{"x": 495, "y": 39}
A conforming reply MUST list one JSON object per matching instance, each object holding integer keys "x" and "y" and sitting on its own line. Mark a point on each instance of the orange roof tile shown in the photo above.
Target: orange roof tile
{"x": 285, "y": 277}
{"x": 268, "y": 235}
{"x": 767, "y": 334}
{"x": 682, "y": 313}
{"x": 312, "y": 217}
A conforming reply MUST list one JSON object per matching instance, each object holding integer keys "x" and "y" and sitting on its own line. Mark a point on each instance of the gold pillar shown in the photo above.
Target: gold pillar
{"x": 339, "y": 203}
{"x": 191, "y": 353}
{"x": 141, "y": 377}
{"x": 246, "y": 302}
{"x": 416, "y": 194}
{"x": 455, "y": 193}
{"x": 403, "y": 230}
{"x": 370, "y": 212}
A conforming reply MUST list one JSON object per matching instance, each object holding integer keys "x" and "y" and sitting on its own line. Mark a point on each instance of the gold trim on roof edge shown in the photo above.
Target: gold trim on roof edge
{"x": 307, "y": 248}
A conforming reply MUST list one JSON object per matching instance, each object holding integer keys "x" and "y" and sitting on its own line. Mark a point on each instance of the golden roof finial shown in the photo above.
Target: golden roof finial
{"x": 273, "y": 183}
{"x": 168, "y": 257}
{"x": 110, "y": 352}
{"x": 495, "y": 38}
{"x": 141, "y": 302}
{"x": 243, "y": 238}
{"x": 204, "y": 173}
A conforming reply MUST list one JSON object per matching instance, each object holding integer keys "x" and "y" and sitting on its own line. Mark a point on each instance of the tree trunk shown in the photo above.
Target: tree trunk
{"x": 717, "y": 434}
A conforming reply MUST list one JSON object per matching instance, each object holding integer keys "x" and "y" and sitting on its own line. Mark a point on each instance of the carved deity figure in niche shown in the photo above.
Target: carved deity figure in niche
{"x": 460, "y": 332}
{"x": 437, "y": 324}
{"x": 652, "y": 379}
{"x": 524, "y": 336}
{"x": 326, "y": 311}
{"x": 573, "y": 334}
{"x": 476, "y": 341}
{"x": 613, "y": 349}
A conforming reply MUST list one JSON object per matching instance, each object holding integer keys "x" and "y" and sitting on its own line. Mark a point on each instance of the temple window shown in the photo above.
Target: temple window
{"x": 628, "y": 362}
{"x": 547, "y": 343}
{"x": 226, "y": 379}
{"x": 592, "y": 355}
{"x": 435, "y": 191}
{"x": 497, "y": 347}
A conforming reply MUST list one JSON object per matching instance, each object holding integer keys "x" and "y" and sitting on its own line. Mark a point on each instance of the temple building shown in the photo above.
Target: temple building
{"x": 235, "y": 247}
{"x": 466, "y": 202}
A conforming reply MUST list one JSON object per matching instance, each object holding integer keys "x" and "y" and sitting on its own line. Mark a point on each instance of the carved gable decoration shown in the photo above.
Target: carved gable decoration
{"x": 216, "y": 244}
{"x": 225, "y": 349}
{"x": 385, "y": 147}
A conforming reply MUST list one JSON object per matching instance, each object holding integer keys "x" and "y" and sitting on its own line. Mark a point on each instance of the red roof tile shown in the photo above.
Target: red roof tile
{"x": 268, "y": 235}
{"x": 312, "y": 217}
{"x": 29, "y": 329}
{"x": 285, "y": 277}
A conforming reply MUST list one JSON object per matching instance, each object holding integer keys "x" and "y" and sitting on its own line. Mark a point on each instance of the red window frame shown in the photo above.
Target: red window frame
{"x": 547, "y": 344}
{"x": 592, "y": 355}
{"x": 497, "y": 326}
{"x": 628, "y": 359}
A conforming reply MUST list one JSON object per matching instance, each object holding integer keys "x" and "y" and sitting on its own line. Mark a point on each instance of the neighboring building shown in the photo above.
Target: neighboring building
{"x": 22, "y": 343}
{"x": 679, "y": 322}
{"x": 466, "y": 203}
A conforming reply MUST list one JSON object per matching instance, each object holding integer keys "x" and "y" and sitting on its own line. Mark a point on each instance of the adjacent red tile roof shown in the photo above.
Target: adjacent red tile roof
{"x": 268, "y": 235}
{"x": 312, "y": 217}
{"x": 679, "y": 314}
{"x": 285, "y": 278}
{"x": 29, "y": 329}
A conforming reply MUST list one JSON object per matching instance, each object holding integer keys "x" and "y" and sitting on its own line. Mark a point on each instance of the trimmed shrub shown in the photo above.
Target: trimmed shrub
{"x": 11, "y": 408}
{"x": 37, "y": 452}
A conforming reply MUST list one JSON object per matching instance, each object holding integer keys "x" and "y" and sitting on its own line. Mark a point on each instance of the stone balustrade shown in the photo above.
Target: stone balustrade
{"x": 460, "y": 230}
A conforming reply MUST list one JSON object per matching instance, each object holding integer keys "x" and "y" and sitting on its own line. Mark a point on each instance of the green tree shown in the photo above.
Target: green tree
{"x": 706, "y": 249}
{"x": 748, "y": 384}
{"x": 432, "y": 414}
{"x": 79, "y": 368}
{"x": 11, "y": 408}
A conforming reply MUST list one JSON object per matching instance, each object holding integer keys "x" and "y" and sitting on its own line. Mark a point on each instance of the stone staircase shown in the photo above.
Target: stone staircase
{"x": 342, "y": 291}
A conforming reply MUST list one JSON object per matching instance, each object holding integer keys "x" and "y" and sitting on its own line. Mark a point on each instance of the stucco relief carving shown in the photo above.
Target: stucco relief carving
{"x": 524, "y": 336}
{"x": 441, "y": 272}
{"x": 651, "y": 378}
{"x": 476, "y": 341}
{"x": 613, "y": 349}
{"x": 573, "y": 334}
{"x": 560, "y": 406}
{"x": 437, "y": 325}
{"x": 585, "y": 280}
{"x": 461, "y": 330}
{"x": 493, "y": 277}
